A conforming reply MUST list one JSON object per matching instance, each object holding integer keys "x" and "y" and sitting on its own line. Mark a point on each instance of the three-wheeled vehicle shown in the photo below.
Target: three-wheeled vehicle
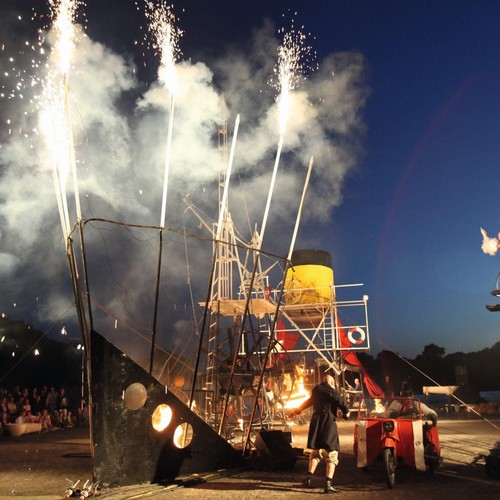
{"x": 394, "y": 432}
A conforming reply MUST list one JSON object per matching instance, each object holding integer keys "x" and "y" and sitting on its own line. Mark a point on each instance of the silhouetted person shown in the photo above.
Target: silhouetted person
{"x": 388, "y": 387}
{"x": 323, "y": 437}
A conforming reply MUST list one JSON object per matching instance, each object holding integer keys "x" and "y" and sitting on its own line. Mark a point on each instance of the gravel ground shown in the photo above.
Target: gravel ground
{"x": 42, "y": 466}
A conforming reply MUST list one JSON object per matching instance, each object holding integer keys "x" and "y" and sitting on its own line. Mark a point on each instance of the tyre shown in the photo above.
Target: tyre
{"x": 431, "y": 458}
{"x": 390, "y": 467}
{"x": 493, "y": 466}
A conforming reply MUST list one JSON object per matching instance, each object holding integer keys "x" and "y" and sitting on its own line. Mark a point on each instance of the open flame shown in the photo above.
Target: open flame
{"x": 299, "y": 394}
{"x": 490, "y": 246}
{"x": 379, "y": 407}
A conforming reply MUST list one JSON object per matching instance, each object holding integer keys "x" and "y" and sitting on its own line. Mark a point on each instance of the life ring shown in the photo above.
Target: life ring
{"x": 360, "y": 339}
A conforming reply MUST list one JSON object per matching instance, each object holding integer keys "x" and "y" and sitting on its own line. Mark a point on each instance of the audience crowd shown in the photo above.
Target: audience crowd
{"x": 46, "y": 406}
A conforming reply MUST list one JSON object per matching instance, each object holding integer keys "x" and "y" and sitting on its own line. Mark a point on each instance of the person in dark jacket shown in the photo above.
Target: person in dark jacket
{"x": 323, "y": 437}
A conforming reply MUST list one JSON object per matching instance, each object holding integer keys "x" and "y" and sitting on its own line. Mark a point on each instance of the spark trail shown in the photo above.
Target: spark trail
{"x": 165, "y": 39}
{"x": 288, "y": 71}
{"x": 55, "y": 116}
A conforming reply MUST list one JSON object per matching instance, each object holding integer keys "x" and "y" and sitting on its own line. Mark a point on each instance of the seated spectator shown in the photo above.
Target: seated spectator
{"x": 25, "y": 393}
{"x": 4, "y": 414}
{"x": 26, "y": 405}
{"x": 68, "y": 422}
{"x": 37, "y": 406}
{"x": 57, "y": 419}
{"x": 22, "y": 418}
{"x": 31, "y": 418}
{"x": 44, "y": 392}
{"x": 12, "y": 407}
{"x": 4, "y": 411}
{"x": 52, "y": 399}
{"x": 63, "y": 402}
{"x": 46, "y": 421}
{"x": 83, "y": 415}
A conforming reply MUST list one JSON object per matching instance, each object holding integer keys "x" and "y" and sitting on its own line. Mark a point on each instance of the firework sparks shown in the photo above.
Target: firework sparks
{"x": 294, "y": 58}
{"x": 165, "y": 38}
{"x": 165, "y": 41}
{"x": 63, "y": 13}
{"x": 288, "y": 62}
{"x": 289, "y": 69}
{"x": 55, "y": 116}
{"x": 490, "y": 246}
{"x": 20, "y": 81}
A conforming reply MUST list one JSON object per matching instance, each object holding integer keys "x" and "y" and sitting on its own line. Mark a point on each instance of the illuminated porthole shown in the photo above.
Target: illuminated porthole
{"x": 183, "y": 435}
{"x": 179, "y": 381}
{"x": 161, "y": 417}
{"x": 135, "y": 396}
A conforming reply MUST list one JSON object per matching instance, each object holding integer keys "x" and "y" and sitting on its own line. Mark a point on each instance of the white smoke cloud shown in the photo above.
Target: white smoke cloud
{"x": 120, "y": 140}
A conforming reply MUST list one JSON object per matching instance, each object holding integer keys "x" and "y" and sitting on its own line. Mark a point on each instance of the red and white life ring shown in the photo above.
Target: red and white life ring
{"x": 360, "y": 339}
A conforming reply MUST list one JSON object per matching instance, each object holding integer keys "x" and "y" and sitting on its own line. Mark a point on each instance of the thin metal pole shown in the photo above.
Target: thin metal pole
{"x": 272, "y": 335}
{"x": 157, "y": 295}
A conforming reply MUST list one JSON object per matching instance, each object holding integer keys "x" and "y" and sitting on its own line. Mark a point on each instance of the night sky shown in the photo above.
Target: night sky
{"x": 402, "y": 116}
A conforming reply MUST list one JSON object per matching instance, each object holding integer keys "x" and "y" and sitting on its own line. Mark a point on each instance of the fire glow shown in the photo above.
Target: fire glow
{"x": 490, "y": 246}
{"x": 161, "y": 417}
{"x": 298, "y": 396}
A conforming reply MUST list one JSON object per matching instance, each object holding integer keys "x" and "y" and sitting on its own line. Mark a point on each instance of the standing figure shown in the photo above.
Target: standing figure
{"x": 388, "y": 387}
{"x": 323, "y": 437}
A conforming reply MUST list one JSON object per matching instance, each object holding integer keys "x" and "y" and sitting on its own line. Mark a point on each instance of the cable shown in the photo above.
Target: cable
{"x": 439, "y": 385}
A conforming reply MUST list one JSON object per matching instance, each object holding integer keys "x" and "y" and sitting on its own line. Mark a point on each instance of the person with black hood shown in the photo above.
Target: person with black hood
{"x": 323, "y": 437}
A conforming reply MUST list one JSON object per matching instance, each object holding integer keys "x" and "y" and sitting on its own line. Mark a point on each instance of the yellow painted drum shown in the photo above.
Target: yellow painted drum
{"x": 308, "y": 284}
{"x": 309, "y": 280}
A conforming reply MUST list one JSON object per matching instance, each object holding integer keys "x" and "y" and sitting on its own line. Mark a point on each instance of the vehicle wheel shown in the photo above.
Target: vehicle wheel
{"x": 431, "y": 458}
{"x": 390, "y": 467}
{"x": 493, "y": 466}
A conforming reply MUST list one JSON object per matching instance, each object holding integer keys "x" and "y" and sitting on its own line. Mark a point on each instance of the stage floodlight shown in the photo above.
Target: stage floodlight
{"x": 495, "y": 293}
{"x": 493, "y": 307}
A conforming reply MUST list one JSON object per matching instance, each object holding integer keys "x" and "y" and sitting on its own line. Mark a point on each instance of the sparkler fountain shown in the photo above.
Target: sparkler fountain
{"x": 165, "y": 42}
{"x": 56, "y": 115}
{"x": 57, "y": 124}
{"x": 130, "y": 398}
{"x": 289, "y": 59}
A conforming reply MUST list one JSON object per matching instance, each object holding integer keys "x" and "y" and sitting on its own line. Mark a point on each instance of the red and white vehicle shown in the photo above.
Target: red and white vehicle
{"x": 394, "y": 432}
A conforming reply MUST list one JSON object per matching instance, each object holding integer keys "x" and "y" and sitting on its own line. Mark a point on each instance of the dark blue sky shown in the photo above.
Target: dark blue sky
{"x": 427, "y": 177}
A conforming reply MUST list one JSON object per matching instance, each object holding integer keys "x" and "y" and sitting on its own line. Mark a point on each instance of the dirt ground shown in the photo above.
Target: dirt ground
{"x": 43, "y": 466}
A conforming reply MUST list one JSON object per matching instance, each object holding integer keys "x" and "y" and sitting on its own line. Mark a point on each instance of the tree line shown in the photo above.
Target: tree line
{"x": 28, "y": 358}
{"x": 433, "y": 366}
